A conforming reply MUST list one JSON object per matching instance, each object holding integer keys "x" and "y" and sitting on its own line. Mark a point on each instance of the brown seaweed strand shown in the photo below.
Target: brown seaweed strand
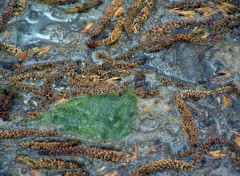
{"x": 139, "y": 91}
{"x": 123, "y": 65}
{"x": 22, "y": 74}
{"x": 35, "y": 113}
{"x": 234, "y": 157}
{"x": 20, "y": 7}
{"x": 7, "y": 15}
{"x": 141, "y": 45}
{"x": 187, "y": 4}
{"x": 166, "y": 28}
{"x": 109, "y": 62}
{"x": 6, "y": 99}
{"x": 189, "y": 125}
{"x": 107, "y": 16}
{"x": 30, "y": 88}
{"x": 40, "y": 145}
{"x": 11, "y": 49}
{"x": 47, "y": 90}
{"x": 84, "y": 6}
{"x": 220, "y": 28}
{"x": 205, "y": 93}
{"x": 108, "y": 69}
{"x": 57, "y": 2}
{"x": 132, "y": 12}
{"x": 131, "y": 52}
{"x": 114, "y": 36}
{"x": 194, "y": 36}
{"x": 18, "y": 78}
{"x": 206, "y": 145}
{"x": 100, "y": 88}
{"x": 22, "y": 133}
{"x": 188, "y": 121}
{"x": 77, "y": 173}
{"x": 40, "y": 66}
{"x": 162, "y": 30}
{"x": 164, "y": 164}
{"x": 109, "y": 155}
{"x": 46, "y": 163}
{"x": 169, "y": 81}
{"x": 143, "y": 15}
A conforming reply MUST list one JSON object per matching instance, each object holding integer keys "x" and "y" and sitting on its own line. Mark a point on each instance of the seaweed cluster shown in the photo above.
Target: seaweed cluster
{"x": 51, "y": 82}
{"x": 166, "y": 164}
{"x": 188, "y": 121}
{"x": 43, "y": 163}
{"x": 208, "y": 29}
{"x": 191, "y": 8}
{"x": 62, "y": 79}
{"x": 57, "y": 147}
{"x": 189, "y": 124}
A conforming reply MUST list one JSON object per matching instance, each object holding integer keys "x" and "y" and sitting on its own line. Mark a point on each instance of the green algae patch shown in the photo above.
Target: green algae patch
{"x": 107, "y": 116}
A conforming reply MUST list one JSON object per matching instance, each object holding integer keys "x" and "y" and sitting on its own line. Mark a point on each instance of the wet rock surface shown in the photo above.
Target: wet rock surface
{"x": 158, "y": 125}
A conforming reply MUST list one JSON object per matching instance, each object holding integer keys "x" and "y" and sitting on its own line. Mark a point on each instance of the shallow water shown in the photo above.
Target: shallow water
{"x": 158, "y": 124}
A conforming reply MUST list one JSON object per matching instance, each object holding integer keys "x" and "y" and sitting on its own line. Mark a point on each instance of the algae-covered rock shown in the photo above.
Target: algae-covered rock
{"x": 107, "y": 116}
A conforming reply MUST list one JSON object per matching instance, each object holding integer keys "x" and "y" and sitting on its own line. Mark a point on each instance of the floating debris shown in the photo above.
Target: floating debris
{"x": 114, "y": 173}
{"x": 40, "y": 52}
{"x": 87, "y": 27}
{"x": 136, "y": 152}
{"x": 101, "y": 169}
{"x": 218, "y": 153}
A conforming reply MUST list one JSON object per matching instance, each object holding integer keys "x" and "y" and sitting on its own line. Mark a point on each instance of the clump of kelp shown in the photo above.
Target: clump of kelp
{"x": 59, "y": 147}
{"x": 206, "y": 22}
{"x": 208, "y": 27}
{"x": 93, "y": 79}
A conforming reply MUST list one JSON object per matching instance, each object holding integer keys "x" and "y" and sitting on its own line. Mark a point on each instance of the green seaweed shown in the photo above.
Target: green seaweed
{"x": 107, "y": 116}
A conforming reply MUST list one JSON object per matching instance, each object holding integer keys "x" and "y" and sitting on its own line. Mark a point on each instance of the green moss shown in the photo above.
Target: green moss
{"x": 106, "y": 116}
